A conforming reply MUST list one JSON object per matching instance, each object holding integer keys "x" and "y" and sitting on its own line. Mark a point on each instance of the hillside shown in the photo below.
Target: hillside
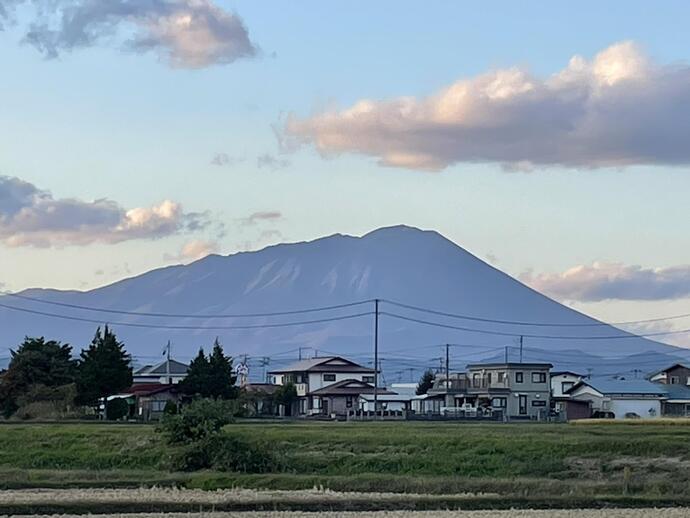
{"x": 403, "y": 264}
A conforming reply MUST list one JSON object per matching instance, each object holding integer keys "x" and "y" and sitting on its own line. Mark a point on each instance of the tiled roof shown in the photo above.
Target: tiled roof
{"x": 348, "y": 388}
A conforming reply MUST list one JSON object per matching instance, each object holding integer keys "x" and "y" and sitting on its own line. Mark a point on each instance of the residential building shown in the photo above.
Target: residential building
{"x": 677, "y": 402}
{"x": 328, "y": 385}
{"x": 388, "y": 401}
{"x": 620, "y": 398}
{"x": 168, "y": 372}
{"x": 562, "y": 382}
{"x": 147, "y": 401}
{"x": 676, "y": 374}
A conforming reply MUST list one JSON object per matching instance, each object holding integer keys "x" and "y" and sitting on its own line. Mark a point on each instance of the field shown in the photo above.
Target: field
{"x": 401, "y": 466}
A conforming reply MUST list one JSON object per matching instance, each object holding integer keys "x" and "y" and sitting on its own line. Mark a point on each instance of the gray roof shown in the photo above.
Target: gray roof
{"x": 509, "y": 365}
{"x": 674, "y": 391}
{"x": 326, "y": 364}
{"x": 348, "y": 388}
{"x": 622, "y": 386}
{"x": 387, "y": 397}
{"x": 161, "y": 369}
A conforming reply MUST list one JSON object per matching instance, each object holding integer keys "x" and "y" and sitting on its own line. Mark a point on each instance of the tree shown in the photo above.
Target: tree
{"x": 35, "y": 362}
{"x": 196, "y": 381}
{"x": 116, "y": 408}
{"x": 222, "y": 377}
{"x": 104, "y": 369}
{"x": 212, "y": 376}
{"x": 286, "y": 395}
{"x": 425, "y": 382}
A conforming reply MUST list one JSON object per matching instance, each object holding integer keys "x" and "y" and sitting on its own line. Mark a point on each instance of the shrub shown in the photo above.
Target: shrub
{"x": 116, "y": 408}
{"x": 224, "y": 452}
{"x": 170, "y": 408}
{"x": 197, "y": 421}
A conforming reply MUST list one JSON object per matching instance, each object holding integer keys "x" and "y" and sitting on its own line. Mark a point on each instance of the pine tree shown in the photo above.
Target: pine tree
{"x": 196, "y": 383}
{"x": 222, "y": 377}
{"x": 104, "y": 368}
{"x": 35, "y": 363}
{"x": 425, "y": 382}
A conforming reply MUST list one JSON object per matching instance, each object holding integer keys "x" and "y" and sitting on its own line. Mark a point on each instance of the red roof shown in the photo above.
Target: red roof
{"x": 148, "y": 389}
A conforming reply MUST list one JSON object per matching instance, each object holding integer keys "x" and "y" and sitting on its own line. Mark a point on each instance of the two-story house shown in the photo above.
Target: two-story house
{"x": 677, "y": 374}
{"x": 519, "y": 390}
{"x": 329, "y": 385}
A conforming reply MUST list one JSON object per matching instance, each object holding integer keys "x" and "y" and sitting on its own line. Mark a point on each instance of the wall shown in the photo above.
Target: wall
{"x": 558, "y": 380}
{"x": 316, "y": 378}
{"x": 639, "y": 406}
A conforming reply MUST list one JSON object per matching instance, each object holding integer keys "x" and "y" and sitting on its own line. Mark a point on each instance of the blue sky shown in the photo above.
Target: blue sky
{"x": 99, "y": 122}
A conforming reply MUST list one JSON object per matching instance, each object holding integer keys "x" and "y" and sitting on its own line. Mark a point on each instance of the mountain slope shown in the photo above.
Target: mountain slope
{"x": 403, "y": 264}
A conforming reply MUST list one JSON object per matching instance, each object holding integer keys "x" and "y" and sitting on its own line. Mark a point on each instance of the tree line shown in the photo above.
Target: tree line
{"x": 45, "y": 380}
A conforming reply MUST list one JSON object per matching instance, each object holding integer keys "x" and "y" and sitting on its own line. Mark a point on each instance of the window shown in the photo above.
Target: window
{"x": 501, "y": 377}
{"x": 158, "y": 405}
{"x": 538, "y": 403}
{"x": 348, "y": 401}
{"x": 538, "y": 377}
{"x": 488, "y": 378}
{"x": 675, "y": 380}
{"x": 566, "y": 386}
{"x": 329, "y": 377}
{"x": 476, "y": 380}
{"x": 498, "y": 402}
{"x": 368, "y": 379}
{"x": 518, "y": 377}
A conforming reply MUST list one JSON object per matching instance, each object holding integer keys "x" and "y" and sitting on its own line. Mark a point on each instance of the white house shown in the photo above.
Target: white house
{"x": 168, "y": 372}
{"x": 620, "y": 397}
{"x": 563, "y": 381}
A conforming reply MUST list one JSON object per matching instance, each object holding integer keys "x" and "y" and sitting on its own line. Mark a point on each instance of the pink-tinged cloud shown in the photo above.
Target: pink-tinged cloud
{"x": 613, "y": 281}
{"x": 30, "y": 216}
{"x": 194, "y": 250}
{"x": 617, "y": 109}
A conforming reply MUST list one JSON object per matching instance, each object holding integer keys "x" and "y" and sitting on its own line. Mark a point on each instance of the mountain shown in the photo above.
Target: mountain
{"x": 401, "y": 264}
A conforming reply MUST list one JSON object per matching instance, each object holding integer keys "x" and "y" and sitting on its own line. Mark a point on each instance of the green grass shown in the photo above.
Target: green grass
{"x": 513, "y": 459}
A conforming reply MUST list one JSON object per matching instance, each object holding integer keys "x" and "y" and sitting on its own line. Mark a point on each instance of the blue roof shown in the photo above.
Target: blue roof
{"x": 677, "y": 391}
{"x": 625, "y": 386}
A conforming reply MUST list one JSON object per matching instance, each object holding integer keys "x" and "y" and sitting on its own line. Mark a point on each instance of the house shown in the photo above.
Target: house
{"x": 562, "y": 382}
{"x": 620, "y": 398}
{"x": 327, "y": 385}
{"x": 676, "y": 374}
{"x": 147, "y": 401}
{"x": 677, "y": 402}
{"x": 260, "y": 399}
{"x": 168, "y": 372}
{"x": 507, "y": 390}
{"x": 389, "y": 401}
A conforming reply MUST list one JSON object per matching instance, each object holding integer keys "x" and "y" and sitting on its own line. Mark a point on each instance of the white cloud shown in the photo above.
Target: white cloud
{"x": 33, "y": 217}
{"x": 613, "y": 281}
{"x": 193, "y": 250}
{"x": 617, "y": 109}
{"x": 184, "y": 33}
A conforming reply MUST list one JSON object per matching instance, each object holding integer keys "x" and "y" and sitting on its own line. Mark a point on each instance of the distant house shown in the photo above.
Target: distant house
{"x": 676, "y": 374}
{"x": 168, "y": 372}
{"x": 561, "y": 402}
{"x": 620, "y": 398}
{"x": 260, "y": 400}
{"x": 562, "y": 382}
{"x": 328, "y": 385}
{"x": 386, "y": 401}
{"x": 147, "y": 401}
{"x": 677, "y": 402}
{"x": 508, "y": 390}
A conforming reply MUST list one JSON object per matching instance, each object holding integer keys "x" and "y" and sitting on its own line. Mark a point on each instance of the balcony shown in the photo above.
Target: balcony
{"x": 484, "y": 383}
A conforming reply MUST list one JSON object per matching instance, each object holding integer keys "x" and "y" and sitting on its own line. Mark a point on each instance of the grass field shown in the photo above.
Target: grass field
{"x": 539, "y": 465}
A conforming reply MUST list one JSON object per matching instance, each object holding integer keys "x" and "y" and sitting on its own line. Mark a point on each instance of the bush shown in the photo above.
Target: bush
{"x": 224, "y": 452}
{"x": 116, "y": 408}
{"x": 170, "y": 408}
{"x": 197, "y": 421}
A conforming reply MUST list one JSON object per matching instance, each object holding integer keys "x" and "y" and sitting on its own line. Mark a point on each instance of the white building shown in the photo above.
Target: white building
{"x": 621, "y": 398}
{"x": 168, "y": 372}
{"x": 562, "y": 381}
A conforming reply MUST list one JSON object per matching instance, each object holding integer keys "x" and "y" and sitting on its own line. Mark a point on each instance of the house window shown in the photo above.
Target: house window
{"x": 675, "y": 380}
{"x": 368, "y": 379}
{"x": 348, "y": 401}
{"x": 488, "y": 378}
{"x": 501, "y": 377}
{"x": 498, "y": 402}
{"x": 158, "y": 405}
{"x": 518, "y": 377}
{"x": 316, "y": 402}
{"x": 538, "y": 403}
{"x": 566, "y": 386}
{"x": 476, "y": 380}
{"x": 329, "y": 377}
{"x": 538, "y": 377}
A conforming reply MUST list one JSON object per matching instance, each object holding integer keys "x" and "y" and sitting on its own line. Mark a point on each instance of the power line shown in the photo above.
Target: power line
{"x": 523, "y": 323}
{"x": 178, "y": 315}
{"x": 552, "y": 337}
{"x": 180, "y": 327}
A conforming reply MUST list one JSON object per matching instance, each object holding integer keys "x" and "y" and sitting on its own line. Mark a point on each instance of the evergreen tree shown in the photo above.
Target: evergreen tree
{"x": 196, "y": 383}
{"x": 222, "y": 377}
{"x": 104, "y": 369}
{"x": 35, "y": 363}
{"x": 425, "y": 382}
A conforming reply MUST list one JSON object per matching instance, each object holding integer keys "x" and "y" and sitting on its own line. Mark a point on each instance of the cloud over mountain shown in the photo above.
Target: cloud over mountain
{"x": 183, "y": 33}
{"x": 30, "y": 216}
{"x": 617, "y": 109}
{"x": 605, "y": 281}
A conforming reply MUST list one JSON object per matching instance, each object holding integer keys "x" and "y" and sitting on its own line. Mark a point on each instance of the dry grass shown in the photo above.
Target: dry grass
{"x": 661, "y": 421}
{"x": 526, "y": 513}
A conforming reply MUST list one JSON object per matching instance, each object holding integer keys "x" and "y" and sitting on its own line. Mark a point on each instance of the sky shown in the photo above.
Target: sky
{"x": 551, "y": 139}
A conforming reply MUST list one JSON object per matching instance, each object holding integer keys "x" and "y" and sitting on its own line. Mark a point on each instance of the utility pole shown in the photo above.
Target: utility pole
{"x": 300, "y": 352}
{"x": 168, "y": 379}
{"x": 376, "y": 356}
{"x": 506, "y": 354}
{"x": 521, "y": 339}
{"x": 447, "y": 368}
